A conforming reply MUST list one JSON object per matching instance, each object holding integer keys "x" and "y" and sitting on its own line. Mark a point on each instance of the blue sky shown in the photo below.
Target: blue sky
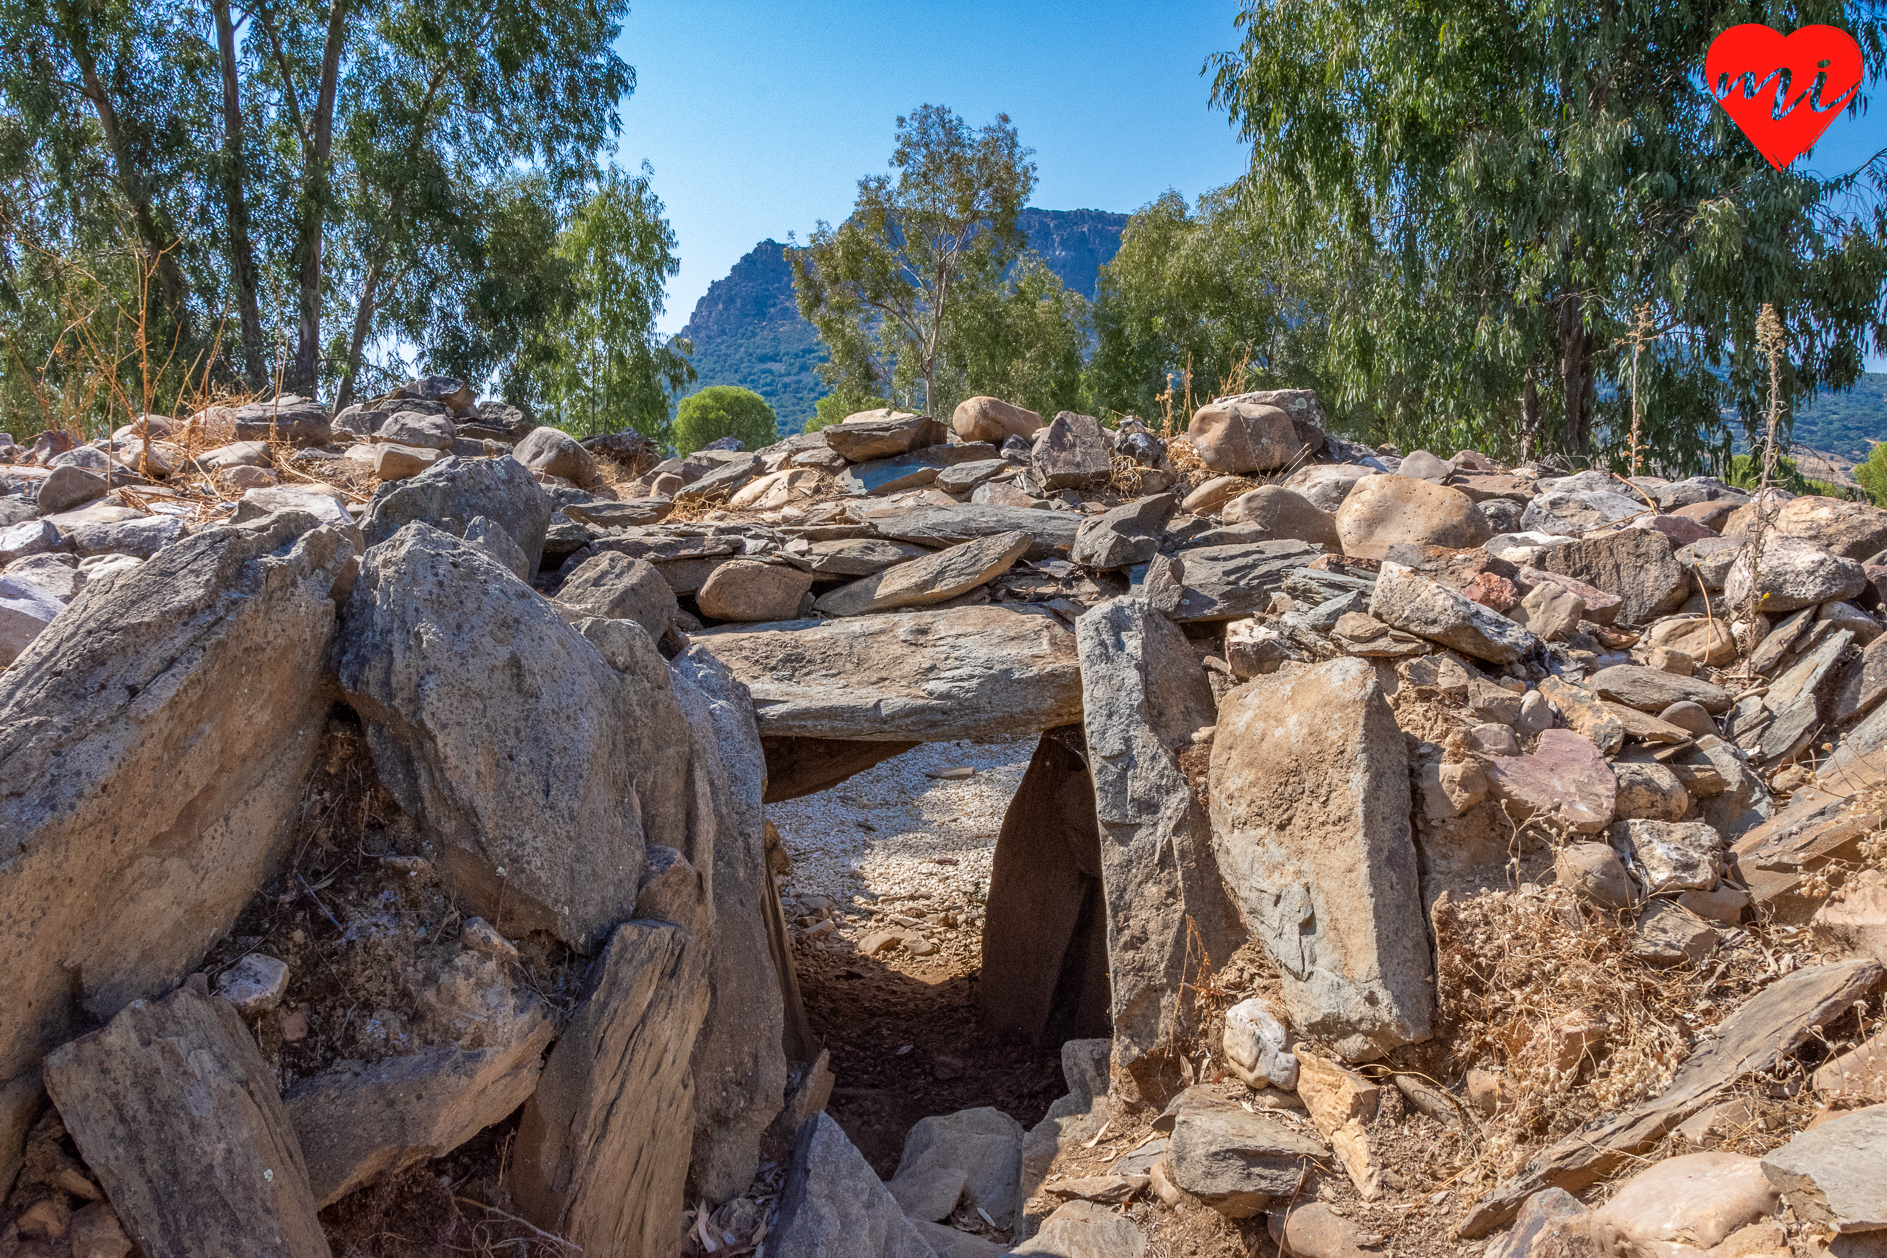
{"x": 759, "y": 119}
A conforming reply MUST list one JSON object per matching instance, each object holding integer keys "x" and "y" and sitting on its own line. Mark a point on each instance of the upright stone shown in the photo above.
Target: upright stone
{"x": 453, "y": 492}
{"x": 1045, "y": 930}
{"x": 739, "y": 1061}
{"x": 446, "y": 656}
{"x": 1073, "y": 453}
{"x": 1310, "y": 818}
{"x": 181, "y": 1120}
{"x": 1144, "y": 698}
{"x": 833, "y": 1205}
{"x": 598, "y": 1158}
{"x": 155, "y": 737}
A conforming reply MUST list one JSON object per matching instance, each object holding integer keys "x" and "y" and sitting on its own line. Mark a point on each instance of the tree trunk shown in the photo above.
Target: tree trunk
{"x": 318, "y": 145}
{"x": 242, "y": 258}
{"x": 1529, "y": 415}
{"x": 1575, "y": 363}
{"x": 363, "y": 318}
{"x": 173, "y": 290}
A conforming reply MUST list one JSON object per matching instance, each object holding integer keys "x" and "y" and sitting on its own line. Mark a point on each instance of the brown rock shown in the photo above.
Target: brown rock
{"x": 1565, "y": 774}
{"x": 1239, "y": 437}
{"x": 1073, "y": 453}
{"x": 881, "y": 433}
{"x": 748, "y": 591}
{"x": 1382, "y": 511}
{"x": 556, "y": 453}
{"x": 993, "y": 420}
{"x": 1281, "y": 513}
{"x": 1585, "y": 714}
{"x": 1316, "y": 1231}
{"x": 1638, "y": 565}
{"x": 1595, "y": 873}
{"x": 601, "y": 1157}
{"x": 938, "y": 576}
{"x": 1341, "y": 1104}
{"x": 1492, "y": 591}
{"x": 176, "y": 1113}
{"x": 1697, "y": 1199}
{"x": 1552, "y": 1224}
{"x": 1853, "y": 923}
{"x": 1852, "y": 530}
{"x": 1858, "y": 1074}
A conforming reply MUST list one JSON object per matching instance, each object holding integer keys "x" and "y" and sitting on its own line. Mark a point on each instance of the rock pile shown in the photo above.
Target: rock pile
{"x": 387, "y": 790}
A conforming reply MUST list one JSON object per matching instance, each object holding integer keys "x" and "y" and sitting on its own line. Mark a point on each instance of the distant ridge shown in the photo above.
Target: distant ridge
{"x": 747, "y": 331}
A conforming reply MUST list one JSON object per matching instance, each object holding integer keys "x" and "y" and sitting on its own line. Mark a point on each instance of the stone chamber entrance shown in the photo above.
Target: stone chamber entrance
{"x": 949, "y": 933}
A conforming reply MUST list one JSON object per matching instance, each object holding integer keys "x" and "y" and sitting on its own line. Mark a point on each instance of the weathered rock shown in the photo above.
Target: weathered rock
{"x": 938, "y": 576}
{"x": 833, "y": 1206}
{"x": 1256, "y": 1044}
{"x": 993, "y": 420}
{"x": 1569, "y": 514}
{"x": 1650, "y": 792}
{"x": 26, "y": 608}
{"x": 1765, "y": 1028}
{"x": 1128, "y": 534}
{"x": 445, "y": 655}
{"x": 1325, "y": 485}
{"x": 1802, "y": 698}
{"x": 1669, "y": 934}
{"x": 254, "y": 984}
{"x": 1654, "y": 690}
{"x": 1585, "y": 714}
{"x": 961, "y": 478}
{"x": 70, "y": 487}
{"x": 1310, "y": 820}
{"x": 1073, "y": 453}
{"x": 1341, "y": 1102}
{"x": 454, "y": 492}
{"x": 857, "y": 557}
{"x": 775, "y": 490}
{"x": 1053, "y": 531}
{"x": 984, "y": 1145}
{"x": 1316, "y": 1231}
{"x": 1791, "y": 574}
{"x": 141, "y": 537}
{"x": 296, "y": 420}
{"x": 972, "y": 672}
{"x": 1383, "y": 511}
{"x": 1236, "y": 1161}
{"x": 1595, "y": 873}
{"x": 392, "y": 462}
{"x": 1697, "y": 1200}
{"x": 879, "y": 434}
{"x": 358, "y": 1127}
{"x": 739, "y": 1065}
{"x": 1852, "y": 530}
{"x": 608, "y": 513}
{"x": 1082, "y": 1229}
{"x": 1564, "y": 774}
{"x": 1674, "y": 855}
{"x": 1638, "y": 565}
{"x": 1238, "y": 437}
{"x": 127, "y": 749}
{"x": 1045, "y": 928}
{"x": 410, "y": 428}
{"x": 556, "y": 453}
{"x": 1705, "y": 639}
{"x": 1225, "y": 582}
{"x": 1405, "y": 599}
{"x": 751, "y": 592}
{"x": 908, "y": 471}
{"x": 614, "y": 586}
{"x": 1853, "y": 922}
{"x": 598, "y": 1155}
{"x": 1859, "y": 1074}
{"x": 1073, "y": 1118}
{"x": 1144, "y": 696}
{"x": 1280, "y": 513}
{"x": 176, "y": 1113}
{"x": 1831, "y": 1173}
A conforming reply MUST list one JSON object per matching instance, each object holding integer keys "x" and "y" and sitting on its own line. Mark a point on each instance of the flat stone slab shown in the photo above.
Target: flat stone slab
{"x": 1053, "y": 532}
{"x": 1836, "y": 1173}
{"x": 1226, "y": 582}
{"x": 969, "y": 672}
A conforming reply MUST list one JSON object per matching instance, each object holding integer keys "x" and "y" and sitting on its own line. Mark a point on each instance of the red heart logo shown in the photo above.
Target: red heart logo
{"x": 1783, "y": 91}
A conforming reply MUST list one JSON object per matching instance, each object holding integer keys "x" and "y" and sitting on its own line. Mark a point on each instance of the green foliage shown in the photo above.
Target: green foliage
{"x": 722, "y": 410}
{"x": 1872, "y": 473}
{"x": 881, "y": 286}
{"x": 1020, "y": 341}
{"x": 834, "y": 407}
{"x": 305, "y": 192}
{"x": 598, "y": 365}
{"x": 1212, "y": 299}
{"x": 1746, "y": 472}
{"x": 746, "y": 330}
{"x": 1504, "y": 191}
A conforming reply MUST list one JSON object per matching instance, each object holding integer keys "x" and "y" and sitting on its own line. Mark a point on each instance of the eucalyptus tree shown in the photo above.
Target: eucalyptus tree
{"x": 1518, "y": 195}
{"x": 880, "y": 287}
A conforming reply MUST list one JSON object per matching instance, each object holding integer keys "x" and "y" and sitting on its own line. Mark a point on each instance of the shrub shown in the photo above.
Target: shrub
{"x": 724, "y": 410}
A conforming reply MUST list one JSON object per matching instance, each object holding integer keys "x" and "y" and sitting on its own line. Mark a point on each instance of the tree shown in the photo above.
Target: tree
{"x": 881, "y": 286}
{"x": 1502, "y": 186}
{"x": 1871, "y": 472}
{"x": 724, "y": 410}
{"x": 1022, "y": 342}
{"x": 597, "y": 364}
{"x": 1210, "y": 299}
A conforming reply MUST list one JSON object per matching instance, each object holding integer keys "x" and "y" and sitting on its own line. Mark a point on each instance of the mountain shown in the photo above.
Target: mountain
{"x": 1847, "y": 424}
{"x": 747, "y": 331}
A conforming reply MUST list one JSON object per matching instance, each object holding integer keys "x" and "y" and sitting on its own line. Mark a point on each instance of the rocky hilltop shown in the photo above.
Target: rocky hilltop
{"x": 1417, "y": 855}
